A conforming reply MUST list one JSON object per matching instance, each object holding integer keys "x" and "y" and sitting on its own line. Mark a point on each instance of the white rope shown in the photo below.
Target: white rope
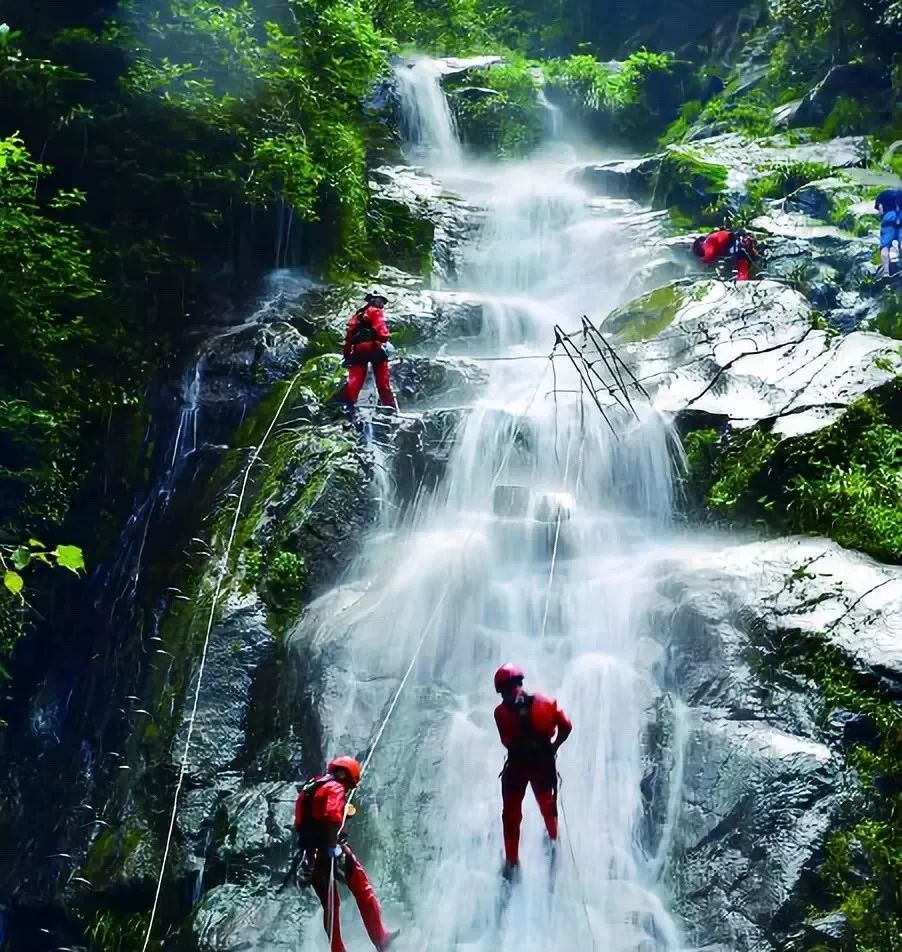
{"x": 435, "y": 612}
{"x": 217, "y": 591}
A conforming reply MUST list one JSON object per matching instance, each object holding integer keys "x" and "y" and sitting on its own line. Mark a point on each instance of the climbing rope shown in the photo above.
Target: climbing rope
{"x": 217, "y": 592}
{"x": 427, "y": 629}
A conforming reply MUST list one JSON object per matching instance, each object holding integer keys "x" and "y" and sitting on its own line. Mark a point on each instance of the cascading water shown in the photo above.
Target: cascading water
{"x": 536, "y": 550}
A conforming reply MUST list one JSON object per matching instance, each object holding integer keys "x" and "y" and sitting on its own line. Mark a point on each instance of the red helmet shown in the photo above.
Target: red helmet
{"x": 350, "y": 766}
{"x": 507, "y": 675}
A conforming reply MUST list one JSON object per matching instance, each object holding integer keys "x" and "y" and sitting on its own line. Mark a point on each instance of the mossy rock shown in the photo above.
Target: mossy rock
{"x": 399, "y": 236}
{"x": 648, "y": 315}
{"x": 688, "y": 183}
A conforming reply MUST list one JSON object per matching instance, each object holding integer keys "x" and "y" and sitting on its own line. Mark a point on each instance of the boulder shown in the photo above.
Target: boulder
{"x": 762, "y": 780}
{"x": 748, "y": 351}
{"x": 809, "y": 586}
{"x": 239, "y": 643}
{"x": 856, "y": 81}
{"x": 419, "y": 380}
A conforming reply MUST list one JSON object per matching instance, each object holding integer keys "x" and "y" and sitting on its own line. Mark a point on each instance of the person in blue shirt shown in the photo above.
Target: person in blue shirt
{"x": 889, "y": 206}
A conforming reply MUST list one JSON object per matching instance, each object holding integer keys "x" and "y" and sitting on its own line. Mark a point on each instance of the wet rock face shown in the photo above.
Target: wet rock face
{"x": 762, "y": 779}
{"x": 749, "y": 352}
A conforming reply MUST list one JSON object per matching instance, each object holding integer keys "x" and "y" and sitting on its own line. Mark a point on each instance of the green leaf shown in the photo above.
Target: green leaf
{"x": 36, "y": 544}
{"x": 70, "y": 557}
{"x": 13, "y": 582}
{"x": 21, "y": 557}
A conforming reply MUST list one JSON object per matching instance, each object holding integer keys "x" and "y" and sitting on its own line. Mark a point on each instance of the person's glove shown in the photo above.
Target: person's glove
{"x": 336, "y": 852}
{"x": 388, "y": 349}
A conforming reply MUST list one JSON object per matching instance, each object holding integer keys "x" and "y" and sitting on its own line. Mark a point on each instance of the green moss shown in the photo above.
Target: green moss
{"x": 108, "y": 854}
{"x": 400, "y": 237}
{"x": 648, "y": 315}
{"x": 736, "y": 468}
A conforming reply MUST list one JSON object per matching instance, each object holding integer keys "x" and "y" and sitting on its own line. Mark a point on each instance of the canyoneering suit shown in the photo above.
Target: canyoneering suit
{"x": 318, "y": 816}
{"x": 730, "y": 245}
{"x": 366, "y": 333}
{"x": 531, "y": 727}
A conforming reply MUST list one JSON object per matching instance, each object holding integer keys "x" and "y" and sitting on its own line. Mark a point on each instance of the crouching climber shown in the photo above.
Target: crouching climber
{"x": 319, "y": 817}
{"x": 532, "y": 727}
{"x": 736, "y": 247}
{"x": 367, "y": 344}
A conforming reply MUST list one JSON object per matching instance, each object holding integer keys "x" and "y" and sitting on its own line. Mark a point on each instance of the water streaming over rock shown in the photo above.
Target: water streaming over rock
{"x": 534, "y": 550}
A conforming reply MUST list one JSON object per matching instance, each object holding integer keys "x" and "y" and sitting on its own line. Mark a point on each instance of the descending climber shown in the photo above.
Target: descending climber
{"x": 366, "y": 343}
{"x": 728, "y": 245}
{"x": 889, "y": 205}
{"x": 319, "y": 816}
{"x": 532, "y": 728}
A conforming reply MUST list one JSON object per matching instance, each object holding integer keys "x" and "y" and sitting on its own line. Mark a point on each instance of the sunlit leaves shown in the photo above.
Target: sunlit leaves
{"x": 13, "y": 582}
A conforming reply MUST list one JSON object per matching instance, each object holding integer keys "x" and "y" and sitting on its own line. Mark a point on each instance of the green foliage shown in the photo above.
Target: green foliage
{"x": 787, "y": 177}
{"x": 689, "y": 185}
{"x": 286, "y": 572}
{"x": 736, "y": 467}
{"x": 399, "y": 236}
{"x": 635, "y": 98}
{"x": 444, "y": 27}
{"x": 852, "y": 486}
{"x": 821, "y": 32}
{"x": 109, "y": 931}
{"x": 844, "y": 481}
{"x": 750, "y": 114}
{"x": 507, "y": 123}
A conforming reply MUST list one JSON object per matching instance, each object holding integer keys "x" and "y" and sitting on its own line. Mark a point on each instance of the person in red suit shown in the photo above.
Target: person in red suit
{"x": 319, "y": 816}
{"x": 532, "y": 727}
{"x": 366, "y": 345}
{"x": 727, "y": 245}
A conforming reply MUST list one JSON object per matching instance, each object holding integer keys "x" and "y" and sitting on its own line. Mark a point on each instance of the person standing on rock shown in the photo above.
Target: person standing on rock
{"x": 532, "y": 727}
{"x": 319, "y": 817}
{"x": 728, "y": 245}
{"x": 889, "y": 206}
{"x": 367, "y": 344}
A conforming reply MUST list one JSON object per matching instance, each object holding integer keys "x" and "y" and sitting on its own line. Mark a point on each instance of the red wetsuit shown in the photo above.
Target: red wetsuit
{"x": 318, "y": 816}
{"x": 365, "y": 335}
{"x": 723, "y": 244}
{"x": 531, "y": 727}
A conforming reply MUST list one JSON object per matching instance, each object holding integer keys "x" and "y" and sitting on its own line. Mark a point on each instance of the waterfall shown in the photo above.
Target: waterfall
{"x": 538, "y": 550}
{"x": 426, "y": 120}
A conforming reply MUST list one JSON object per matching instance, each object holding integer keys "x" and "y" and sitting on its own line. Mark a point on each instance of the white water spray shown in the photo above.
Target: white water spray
{"x": 537, "y": 550}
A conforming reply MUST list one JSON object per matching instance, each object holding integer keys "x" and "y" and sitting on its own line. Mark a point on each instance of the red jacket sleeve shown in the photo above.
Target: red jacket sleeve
{"x": 377, "y": 320}
{"x": 563, "y": 724}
